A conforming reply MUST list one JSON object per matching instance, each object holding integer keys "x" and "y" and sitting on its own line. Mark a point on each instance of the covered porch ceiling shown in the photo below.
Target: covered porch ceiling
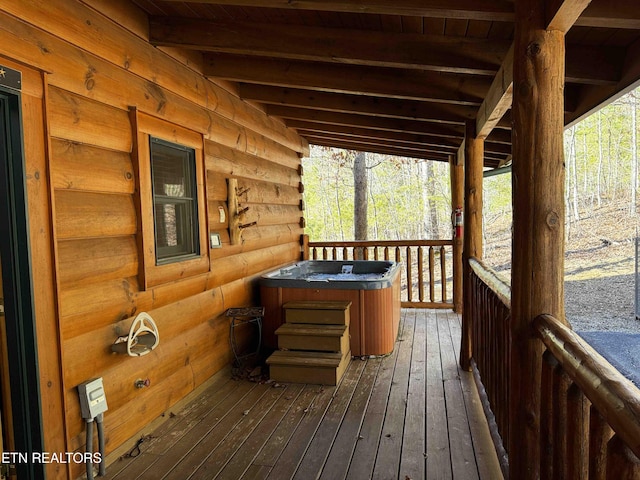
{"x": 400, "y": 77}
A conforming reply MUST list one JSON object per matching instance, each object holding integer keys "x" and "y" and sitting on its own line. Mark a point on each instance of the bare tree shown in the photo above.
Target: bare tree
{"x": 360, "y": 191}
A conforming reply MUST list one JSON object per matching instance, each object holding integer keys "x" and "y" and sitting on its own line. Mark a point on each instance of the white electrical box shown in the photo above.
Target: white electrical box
{"x": 92, "y": 398}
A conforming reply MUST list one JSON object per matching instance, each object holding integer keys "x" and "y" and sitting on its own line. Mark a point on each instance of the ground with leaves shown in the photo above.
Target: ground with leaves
{"x": 599, "y": 268}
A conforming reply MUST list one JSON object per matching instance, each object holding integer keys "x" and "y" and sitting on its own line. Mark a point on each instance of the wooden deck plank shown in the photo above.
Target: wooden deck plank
{"x": 377, "y": 423}
{"x": 183, "y": 446}
{"x": 463, "y": 463}
{"x": 364, "y": 457}
{"x": 178, "y": 425}
{"x": 311, "y": 404}
{"x": 486, "y": 459}
{"x": 287, "y": 462}
{"x": 310, "y": 464}
{"x": 412, "y": 461}
{"x": 438, "y": 454}
{"x": 294, "y": 399}
{"x": 220, "y": 455}
{"x": 182, "y": 443}
{"x": 337, "y": 463}
{"x": 389, "y": 451}
{"x": 209, "y": 442}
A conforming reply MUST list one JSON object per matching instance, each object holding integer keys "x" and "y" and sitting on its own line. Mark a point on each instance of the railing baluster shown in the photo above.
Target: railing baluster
{"x": 421, "y": 275}
{"x": 409, "y": 275}
{"x": 386, "y": 254}
{"x": 577, "y": 438}
{"x": 599, "y": 435}
{"x": 432, "y": 275}
{"x": 443, "y": 274}
{"x": 621, "y": 462}
{"x": 549, "y": 366}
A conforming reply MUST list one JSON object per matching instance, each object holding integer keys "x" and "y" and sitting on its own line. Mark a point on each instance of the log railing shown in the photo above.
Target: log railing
{"x": 589, "y": 412}
{"x": 427, "y": 278}
{"x": 490, "y": 338}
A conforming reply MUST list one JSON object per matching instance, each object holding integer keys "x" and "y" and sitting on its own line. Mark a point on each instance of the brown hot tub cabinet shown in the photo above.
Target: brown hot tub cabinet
{"x": 372, "y": 287}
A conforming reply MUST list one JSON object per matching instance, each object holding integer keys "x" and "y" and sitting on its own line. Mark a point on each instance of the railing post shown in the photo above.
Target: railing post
{"x": 304, "y": 247}
{"x": 538, "y": 218}
{"x": 457, "y": 200}
{"x": 473, "y": 164}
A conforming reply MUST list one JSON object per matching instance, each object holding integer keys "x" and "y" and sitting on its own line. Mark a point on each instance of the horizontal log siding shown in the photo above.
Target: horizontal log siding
{"x": 90, "y": 87}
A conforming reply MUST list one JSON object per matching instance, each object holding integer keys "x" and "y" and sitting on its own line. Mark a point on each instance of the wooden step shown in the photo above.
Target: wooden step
{"x": 307, "y": 367}
{"x": 317, "y": 312}
{"x": 324, "y": 338}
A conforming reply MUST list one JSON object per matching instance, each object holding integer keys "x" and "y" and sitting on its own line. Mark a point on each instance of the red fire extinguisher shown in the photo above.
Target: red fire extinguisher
{"x": 457, "y": 222}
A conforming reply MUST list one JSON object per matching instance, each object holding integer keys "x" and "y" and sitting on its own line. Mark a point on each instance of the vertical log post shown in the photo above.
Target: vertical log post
{"x": 457, "y": 200}
{"x": 473, "y": 163}
{"x": 538, "y": 220}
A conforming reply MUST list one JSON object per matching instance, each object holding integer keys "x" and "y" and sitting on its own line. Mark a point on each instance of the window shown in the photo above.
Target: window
{"x": 172, "y": 232}
{"x": 175, "y": 206}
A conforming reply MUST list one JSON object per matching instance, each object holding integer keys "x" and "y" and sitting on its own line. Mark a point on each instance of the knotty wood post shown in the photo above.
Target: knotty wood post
{"x": 538, "y": 220}
{"x": 457, "y": 200}
{"x": 473, "y": 163}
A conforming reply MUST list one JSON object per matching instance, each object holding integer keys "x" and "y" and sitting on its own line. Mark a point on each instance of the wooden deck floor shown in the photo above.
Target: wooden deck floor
{"x": 409, "y": 415}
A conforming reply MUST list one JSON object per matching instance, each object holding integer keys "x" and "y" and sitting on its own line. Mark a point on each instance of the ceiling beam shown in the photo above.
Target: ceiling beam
{"x": 562, "y": 14}
{"x": 394, "y": 83}
{"x": 602, "y": 66}
{"x": 362, "y": 104}
{"x": 307, "y": 129}
{"x": 498, "y": 100}
{"x": 312, "y": 137}
{"x": 354, "y": 120}
{"x": 362, "y": 147}
{"x": 440, "y": 53}
{"x": 309, "y": 126}
{"x": 489, "y": 10}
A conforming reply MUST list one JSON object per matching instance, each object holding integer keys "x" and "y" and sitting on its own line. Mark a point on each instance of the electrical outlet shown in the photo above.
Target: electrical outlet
{"x": 92, "y": 398}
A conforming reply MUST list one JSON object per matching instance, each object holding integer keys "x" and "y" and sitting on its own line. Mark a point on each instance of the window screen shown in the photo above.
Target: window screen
{"x": 175, "y": 205}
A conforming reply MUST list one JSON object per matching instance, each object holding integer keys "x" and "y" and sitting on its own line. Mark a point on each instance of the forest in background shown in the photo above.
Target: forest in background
{"x": 410, "y": 198}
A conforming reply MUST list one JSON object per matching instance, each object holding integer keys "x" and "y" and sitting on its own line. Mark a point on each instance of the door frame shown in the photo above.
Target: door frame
{"x": 18, "y": 289}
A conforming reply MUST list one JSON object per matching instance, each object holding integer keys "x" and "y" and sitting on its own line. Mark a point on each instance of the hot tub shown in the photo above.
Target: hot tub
{"x": 372, "y": 287}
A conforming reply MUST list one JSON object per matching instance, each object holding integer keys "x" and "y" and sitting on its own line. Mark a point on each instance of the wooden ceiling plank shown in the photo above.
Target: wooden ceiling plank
{"x": 591, "y": 98}
{"x": 393, "y": 83}
{"x": 491, "y": 10}
{"x": 362, "y": 104}
{"x": 611, "y": 14}
{"x": 594, "y": 65}
{"x": 454, "y": 54}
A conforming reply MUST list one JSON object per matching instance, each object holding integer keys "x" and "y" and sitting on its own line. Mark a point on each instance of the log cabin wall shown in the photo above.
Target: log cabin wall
{"x": 101, "y": 83}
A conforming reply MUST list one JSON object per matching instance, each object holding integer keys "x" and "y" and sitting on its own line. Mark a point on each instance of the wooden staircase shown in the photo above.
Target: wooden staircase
{"x": 313, "y": 343}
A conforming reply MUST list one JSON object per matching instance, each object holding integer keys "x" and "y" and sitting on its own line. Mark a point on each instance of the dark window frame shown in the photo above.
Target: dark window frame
{"x": 186, "y": 225}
